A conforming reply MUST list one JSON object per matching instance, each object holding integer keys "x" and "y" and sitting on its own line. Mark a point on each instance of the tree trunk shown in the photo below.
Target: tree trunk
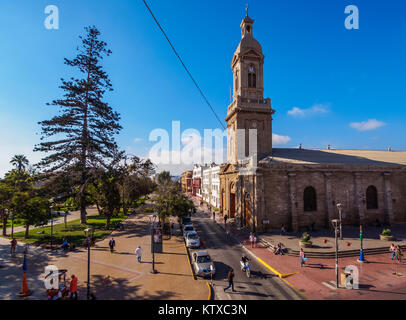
{"x": 4, "y": 225}
{"x": 27, "y": 228}
{"x": 83, "y": 213}
{"x": 108, "y": 222}
{"x": 98, "y": 208}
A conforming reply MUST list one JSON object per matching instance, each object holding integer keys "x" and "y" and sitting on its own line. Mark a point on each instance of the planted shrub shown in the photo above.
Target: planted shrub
{"x": 386, "y": 232}
{"x": 305, "y": 237}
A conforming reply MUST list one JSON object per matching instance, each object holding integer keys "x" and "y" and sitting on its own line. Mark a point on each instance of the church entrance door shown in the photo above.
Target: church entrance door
{"x": 232, "y": 205}
{"x": 247, "y": 213}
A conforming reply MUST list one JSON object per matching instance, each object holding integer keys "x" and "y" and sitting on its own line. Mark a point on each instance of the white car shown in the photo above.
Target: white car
{"x": 187, "y": 228}
{"x": 192, "y": 240}
{"x": 203, "y": 264}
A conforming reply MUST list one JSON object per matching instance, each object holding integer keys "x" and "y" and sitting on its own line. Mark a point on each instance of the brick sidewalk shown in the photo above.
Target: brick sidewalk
{"x": 113, "y": 276}
{"x": 316, "y": 280}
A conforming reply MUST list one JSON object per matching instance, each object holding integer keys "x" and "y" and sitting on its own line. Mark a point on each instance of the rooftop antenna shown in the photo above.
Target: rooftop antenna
{"x": 246, "y": 9}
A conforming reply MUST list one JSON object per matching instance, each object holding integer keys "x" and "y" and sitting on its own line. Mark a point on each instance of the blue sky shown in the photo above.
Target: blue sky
{"x": 324, "y": 81}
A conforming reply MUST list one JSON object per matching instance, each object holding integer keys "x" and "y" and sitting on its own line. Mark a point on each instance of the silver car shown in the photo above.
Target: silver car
{"x": 186, "y": 229}
{"x": 203, "y": 264}
{"x": 192, "y": 240}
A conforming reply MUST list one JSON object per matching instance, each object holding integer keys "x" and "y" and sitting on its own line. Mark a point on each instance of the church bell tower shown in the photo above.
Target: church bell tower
{"x": 249, "y": 116}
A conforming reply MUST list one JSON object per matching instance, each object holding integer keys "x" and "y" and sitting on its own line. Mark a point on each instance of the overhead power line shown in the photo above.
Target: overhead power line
{"x": 184, "y": 66}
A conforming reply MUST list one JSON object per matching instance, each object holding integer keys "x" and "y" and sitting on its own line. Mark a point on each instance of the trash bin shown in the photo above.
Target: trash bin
{"x": 344, "y": 277}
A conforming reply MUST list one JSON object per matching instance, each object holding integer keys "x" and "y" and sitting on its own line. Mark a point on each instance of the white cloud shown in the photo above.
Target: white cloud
{"x": 296, "y": 112}
{"x": 192, "y": 150}
{"x": 371, "y": 124}
{"x": 278, "y": 140}
{"x": 315, "y": 109}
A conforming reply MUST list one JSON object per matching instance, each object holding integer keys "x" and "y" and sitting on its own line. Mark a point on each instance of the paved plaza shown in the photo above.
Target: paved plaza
{"x": 115, "y": 275}
{"x": 379, "y": 278}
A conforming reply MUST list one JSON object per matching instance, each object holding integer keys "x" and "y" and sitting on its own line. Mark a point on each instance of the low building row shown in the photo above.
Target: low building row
{"x": 203, "y": 182}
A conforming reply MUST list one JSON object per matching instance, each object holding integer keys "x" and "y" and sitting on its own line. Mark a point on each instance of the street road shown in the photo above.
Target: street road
{"x": 226, "y": 253}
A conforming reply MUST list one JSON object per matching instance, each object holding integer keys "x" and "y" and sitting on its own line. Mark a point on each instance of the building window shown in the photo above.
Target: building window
{"x": 252, "y": 77}
{"x": 310, "y": 199}
{"x": 372, "y": 198}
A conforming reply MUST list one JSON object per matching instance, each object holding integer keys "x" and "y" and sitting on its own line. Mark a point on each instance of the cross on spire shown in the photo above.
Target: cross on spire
{"x": 246, "y": 9}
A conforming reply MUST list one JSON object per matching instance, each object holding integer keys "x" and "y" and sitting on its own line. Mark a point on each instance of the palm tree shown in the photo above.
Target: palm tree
{"x": 20, "y": 161}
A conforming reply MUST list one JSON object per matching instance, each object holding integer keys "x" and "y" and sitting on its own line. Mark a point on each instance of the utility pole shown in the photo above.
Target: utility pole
{"x": 340, "y": 207}
{"x": 335, "y": 224}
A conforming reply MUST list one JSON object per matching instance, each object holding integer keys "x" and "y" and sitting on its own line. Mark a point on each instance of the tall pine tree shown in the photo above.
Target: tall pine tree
{"x": 83, "y": 132}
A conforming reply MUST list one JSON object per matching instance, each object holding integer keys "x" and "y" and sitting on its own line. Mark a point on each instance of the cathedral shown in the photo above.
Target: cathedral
{"x": 300, "y": 187}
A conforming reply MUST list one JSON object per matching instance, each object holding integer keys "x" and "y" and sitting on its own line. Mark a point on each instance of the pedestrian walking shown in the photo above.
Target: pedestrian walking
{"x": 398, "y": 253}
{"x": 393, "y": 250}
{"x": 112, "y": 244}
{"x": 138, "y": 252}
{"x": 252, "y": 238}
{"x": 230, "y": 279}
{"x": 214, "y": 215}
{"x": 302, "y": 257}
{"x": 13, "y": 245}
{"x": 73, "y": 289}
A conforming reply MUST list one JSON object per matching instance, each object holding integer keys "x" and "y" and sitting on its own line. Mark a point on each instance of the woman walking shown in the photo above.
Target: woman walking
{"x": 393, "y": 250}
{"x": 251, "y": 239}
{"x": 302, "y": 257}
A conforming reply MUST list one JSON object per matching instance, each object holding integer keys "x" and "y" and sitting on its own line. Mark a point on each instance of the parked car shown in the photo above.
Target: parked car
{"x": 187, "y": 228}
{"x": 186, "y": 220}
{"x": 203, "y": 264}
{"x": 192, "y": 240}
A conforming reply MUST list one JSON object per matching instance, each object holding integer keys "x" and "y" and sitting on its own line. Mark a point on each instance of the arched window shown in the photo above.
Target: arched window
{"x": 252, "y": 77}
{"x": 310, "y": 199}
{"x": 372, "y": 198}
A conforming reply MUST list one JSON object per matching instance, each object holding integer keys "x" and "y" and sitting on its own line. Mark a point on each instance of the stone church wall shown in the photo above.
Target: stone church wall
{"x": 284, "y": 197}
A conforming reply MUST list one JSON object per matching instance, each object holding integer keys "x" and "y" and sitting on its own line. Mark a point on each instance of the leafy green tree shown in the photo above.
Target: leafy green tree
{"x": 170, "y": 201}
{"x": 6, "y": 193}
{"x": 164, "y": 176}
{"x": 134, "y": 179}
{"x": 32, "y": 210}
{"x": 20, "y": 161}
{"x": 85, "y": 127}
{"x": 110, "y": 199}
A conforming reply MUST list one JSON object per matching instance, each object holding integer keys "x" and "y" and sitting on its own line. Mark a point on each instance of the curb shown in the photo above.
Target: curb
{"x": 280, "y": 275}
{"x": 211, "y": 293}
{"x": 190, "y": 262}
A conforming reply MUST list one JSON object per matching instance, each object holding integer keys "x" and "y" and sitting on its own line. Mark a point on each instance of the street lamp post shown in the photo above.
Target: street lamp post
{"x": 335, "y": 225}
{"x": 88, "y": 234}
{"x": 52, "y": 227}
{"x": 152, "y": 221}
{"x": 361, "y": 254}
{"x": 339, "y": 206}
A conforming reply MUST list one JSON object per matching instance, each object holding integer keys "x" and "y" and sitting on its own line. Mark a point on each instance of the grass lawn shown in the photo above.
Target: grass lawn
{"x": 74, "y": 231}
{"x": 17, "y": 223}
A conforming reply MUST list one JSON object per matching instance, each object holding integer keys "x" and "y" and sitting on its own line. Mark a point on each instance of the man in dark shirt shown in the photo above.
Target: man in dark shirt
{"x": 112, "y": 244}
{"x": 230, "y": 279}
